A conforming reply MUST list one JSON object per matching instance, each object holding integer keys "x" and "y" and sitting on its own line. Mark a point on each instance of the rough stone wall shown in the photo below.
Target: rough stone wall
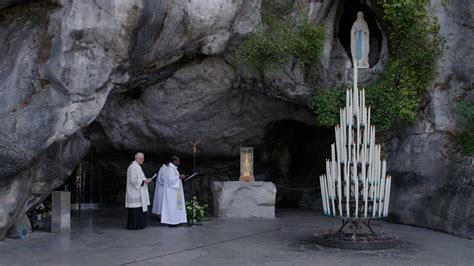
{"x": 153, "y": 75}
{"x": 61, "y": 59}
{"x": 433, "y": 184}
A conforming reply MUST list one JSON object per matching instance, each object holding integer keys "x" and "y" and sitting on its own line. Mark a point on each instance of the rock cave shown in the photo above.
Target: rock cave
{"x": 97, "y": 82}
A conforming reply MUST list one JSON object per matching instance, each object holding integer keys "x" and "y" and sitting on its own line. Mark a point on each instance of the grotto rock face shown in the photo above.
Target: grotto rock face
{"x": 197, "y": 103}
{"x": 120, "y": 76}
{"x": 61, "y": 59}
{"x": 433, "y": 183}
{"x": 49, "y": 170}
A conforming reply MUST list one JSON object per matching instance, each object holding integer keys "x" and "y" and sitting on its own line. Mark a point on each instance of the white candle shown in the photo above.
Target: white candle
{"x": 326, "y": 195}
{"x": 354, "y": 164}
{"x": 356, "y": 194}
{"x": 333, "y": 155}
{"x": 387, "y": 195}
{"x": 343, "y": 135}
{"x": 326, "y": 187}
{"x": 347, "y": 99}
{"x": 382, "y": 185}
{"x": 333, "y": 176}
{"x": 382, "y": 193}
{"x": 333, "y": 191}
{"x": 347, "y": 186}
{"x": 364, "y": 181}
{"x": 328, "y": 183}
{"x": 368, "y": 118}
{"x": 357, "y": 99}
{"x": 323, "y": 194}
{"x": 338, "y": 153}
{"x": 339, "y": 184}
{"x": 377, "y": 181}
{"x": 354, "y": 63}
{"x": 357, "y": 140}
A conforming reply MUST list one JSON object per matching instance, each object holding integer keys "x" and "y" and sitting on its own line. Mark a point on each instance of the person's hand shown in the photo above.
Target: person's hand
{"x": 182, "y": 176}
{"x": 148, "y": 180}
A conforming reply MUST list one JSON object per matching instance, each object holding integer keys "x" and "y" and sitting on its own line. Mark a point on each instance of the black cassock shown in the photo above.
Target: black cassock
{"x": 136, "y": 219}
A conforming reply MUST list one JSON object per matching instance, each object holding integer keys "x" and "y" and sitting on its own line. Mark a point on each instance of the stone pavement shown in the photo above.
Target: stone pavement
{"x": 100, "y": 238}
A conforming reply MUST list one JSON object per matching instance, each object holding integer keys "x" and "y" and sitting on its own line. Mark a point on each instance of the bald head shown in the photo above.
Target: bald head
{"x": 139, "y": 157}
{"x": 175, "y": 160}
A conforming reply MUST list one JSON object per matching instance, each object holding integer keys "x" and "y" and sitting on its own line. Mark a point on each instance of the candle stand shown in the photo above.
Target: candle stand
{"x": 356, "y": 233}
{"x": 356, "y": 187}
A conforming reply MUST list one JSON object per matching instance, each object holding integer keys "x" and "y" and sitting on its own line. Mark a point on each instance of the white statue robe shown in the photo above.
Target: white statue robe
{"x": 360, "y": 44}
{"x": 136, "y": 194}
{"x": 159, "y": 187}
{"x": 174, "y": 207}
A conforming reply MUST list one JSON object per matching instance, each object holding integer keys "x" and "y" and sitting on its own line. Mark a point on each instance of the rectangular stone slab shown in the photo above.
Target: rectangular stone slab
{"x": 235, "y": 199}
{"x": 60, "y": 212}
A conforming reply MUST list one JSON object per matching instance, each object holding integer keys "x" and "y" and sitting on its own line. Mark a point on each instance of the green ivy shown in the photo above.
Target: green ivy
{"x": 466, "y": 138}
{"x": 277, "y": 42}
{"x": 413, "y": 45}
{"x": 327, "y": 104}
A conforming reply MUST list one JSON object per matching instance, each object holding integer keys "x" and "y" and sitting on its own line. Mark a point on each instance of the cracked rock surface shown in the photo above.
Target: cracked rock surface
{"x": 120, "y": 76}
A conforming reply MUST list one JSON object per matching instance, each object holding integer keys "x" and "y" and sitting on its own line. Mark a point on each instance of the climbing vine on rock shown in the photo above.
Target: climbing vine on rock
{"x": 466, "y": 138}
{"x": 413, "y": 46}
{"x": 277, "y": 42}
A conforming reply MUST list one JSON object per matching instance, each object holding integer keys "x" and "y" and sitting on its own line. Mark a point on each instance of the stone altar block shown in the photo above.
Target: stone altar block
{"x": 235, "y": 199}
{"x": 60, "y": 212}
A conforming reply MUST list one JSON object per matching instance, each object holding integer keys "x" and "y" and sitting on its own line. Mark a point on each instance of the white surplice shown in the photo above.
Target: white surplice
{"x": 137, "y": 194}
{"x": 174, "y": 206}
{"x": 160, "y": 183}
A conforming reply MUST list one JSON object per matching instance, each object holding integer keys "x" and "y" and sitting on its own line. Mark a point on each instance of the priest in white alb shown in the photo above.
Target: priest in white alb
{"x": 173, "y": 210}
{"x": 136, "y": 197}
{"x": 159, "y": 187}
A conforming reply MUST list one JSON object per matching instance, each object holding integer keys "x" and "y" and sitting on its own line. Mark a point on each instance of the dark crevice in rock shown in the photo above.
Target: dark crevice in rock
{"x": 141, "y": 79}
{"x": 293, "y": 156}
{"x": 9, "y": 5}
{"x": 150, "y": 24}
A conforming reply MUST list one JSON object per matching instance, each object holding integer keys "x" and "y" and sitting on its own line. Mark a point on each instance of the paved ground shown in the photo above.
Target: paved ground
{"x": 100, "y": 239}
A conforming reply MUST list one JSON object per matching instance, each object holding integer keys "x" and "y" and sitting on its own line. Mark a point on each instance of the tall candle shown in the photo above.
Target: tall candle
{"x": 356, "y": 194}
{"x": 323, "y": 196}
{"x": 368, "y": 118}
{"x": 347, "y": 186}
{"x": 339, "y": 188}
{"x": 387, "y": 195}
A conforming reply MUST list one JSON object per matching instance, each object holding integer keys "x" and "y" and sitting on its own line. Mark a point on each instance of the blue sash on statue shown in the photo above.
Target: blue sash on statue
{"x": 359, "y": 45}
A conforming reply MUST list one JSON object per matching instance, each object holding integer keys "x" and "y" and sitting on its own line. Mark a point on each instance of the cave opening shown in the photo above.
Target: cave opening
{"x": 293, "y": 157}
{"x": 348, "y": 14}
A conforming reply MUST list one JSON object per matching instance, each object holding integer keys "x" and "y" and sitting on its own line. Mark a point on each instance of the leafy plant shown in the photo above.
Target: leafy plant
{"x": 277, "y": 42}
{"x": 199, "y": 210}
{"x": 466, "y": 138}
{"x": 326, "y": 105}
{"x": 413, "y": 44}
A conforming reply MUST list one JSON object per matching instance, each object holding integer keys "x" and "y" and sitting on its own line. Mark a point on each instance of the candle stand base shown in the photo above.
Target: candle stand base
{"x": 356, "y": 233}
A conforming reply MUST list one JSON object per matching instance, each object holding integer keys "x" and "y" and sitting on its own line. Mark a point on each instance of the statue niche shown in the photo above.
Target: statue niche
{"x": 360, "y": 37}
